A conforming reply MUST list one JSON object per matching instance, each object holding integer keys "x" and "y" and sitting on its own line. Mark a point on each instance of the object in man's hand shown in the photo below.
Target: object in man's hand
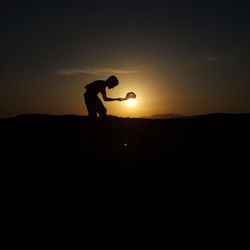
{"x": 130, "y": 95}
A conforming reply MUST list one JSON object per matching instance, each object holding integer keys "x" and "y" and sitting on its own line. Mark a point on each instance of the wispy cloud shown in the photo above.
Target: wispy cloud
{"x": 211, "y": 58}
{"x": 95, "y": 71}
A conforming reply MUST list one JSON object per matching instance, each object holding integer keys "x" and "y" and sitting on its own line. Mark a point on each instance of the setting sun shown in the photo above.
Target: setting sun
{"x": 131, "y": 102}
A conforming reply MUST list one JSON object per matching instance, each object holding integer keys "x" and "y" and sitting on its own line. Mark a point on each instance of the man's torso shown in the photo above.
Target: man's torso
{"x": 95, "y": 87}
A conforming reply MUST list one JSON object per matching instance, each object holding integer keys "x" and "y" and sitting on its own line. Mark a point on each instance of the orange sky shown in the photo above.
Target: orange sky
{"x": 178, "y": 57}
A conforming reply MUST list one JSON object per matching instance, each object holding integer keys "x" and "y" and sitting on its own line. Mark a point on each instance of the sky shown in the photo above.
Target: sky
{"x": 181, "y": 57}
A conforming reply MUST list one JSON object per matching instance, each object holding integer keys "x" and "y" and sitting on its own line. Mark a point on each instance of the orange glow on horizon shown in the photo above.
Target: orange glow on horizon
{"x": 131, "y": 103}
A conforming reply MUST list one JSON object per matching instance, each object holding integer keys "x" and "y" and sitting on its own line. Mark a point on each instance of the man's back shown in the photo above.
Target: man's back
{"x": 95, "y": 87}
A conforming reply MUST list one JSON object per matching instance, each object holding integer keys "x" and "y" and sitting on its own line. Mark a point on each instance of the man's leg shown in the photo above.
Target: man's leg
{"x": 91, "y": 107}
{"x": 101, "y": 110}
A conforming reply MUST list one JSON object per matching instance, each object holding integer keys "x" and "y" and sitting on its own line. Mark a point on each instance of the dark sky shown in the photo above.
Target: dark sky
{"x": 185, "y": 57}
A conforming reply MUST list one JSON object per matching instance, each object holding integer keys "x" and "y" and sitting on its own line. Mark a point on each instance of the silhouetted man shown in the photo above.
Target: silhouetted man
{"x": 93, "y": 103}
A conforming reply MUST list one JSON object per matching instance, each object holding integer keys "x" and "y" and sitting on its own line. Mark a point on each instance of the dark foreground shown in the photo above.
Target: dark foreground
{"x": 71, "y": 183}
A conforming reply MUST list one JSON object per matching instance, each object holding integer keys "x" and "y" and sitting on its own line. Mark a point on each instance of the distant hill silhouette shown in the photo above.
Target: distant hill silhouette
{"x": 172, "y": 116}
{"x": 166, "y": 116}
{"x": 70, "y": 182}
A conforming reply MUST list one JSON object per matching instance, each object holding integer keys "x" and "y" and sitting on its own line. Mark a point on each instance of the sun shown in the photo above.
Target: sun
{"x": 131, "y": 102}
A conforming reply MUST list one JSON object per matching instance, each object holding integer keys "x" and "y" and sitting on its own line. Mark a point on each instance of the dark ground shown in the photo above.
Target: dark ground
{"x": 72, "y": 183}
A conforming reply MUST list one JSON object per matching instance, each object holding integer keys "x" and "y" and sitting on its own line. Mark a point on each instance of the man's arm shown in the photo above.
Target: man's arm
{"x": 107, "y": 99}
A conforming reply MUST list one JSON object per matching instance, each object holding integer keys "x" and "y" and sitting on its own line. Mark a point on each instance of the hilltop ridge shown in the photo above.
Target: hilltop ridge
{"x": 131, "y": 181}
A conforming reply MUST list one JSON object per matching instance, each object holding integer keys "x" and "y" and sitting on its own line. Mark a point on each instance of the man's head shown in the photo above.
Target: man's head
{"x": 112, "y": 81}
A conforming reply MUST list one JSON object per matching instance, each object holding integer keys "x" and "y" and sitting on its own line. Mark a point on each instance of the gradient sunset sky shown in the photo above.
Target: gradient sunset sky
{"x": 184, "y": 57}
